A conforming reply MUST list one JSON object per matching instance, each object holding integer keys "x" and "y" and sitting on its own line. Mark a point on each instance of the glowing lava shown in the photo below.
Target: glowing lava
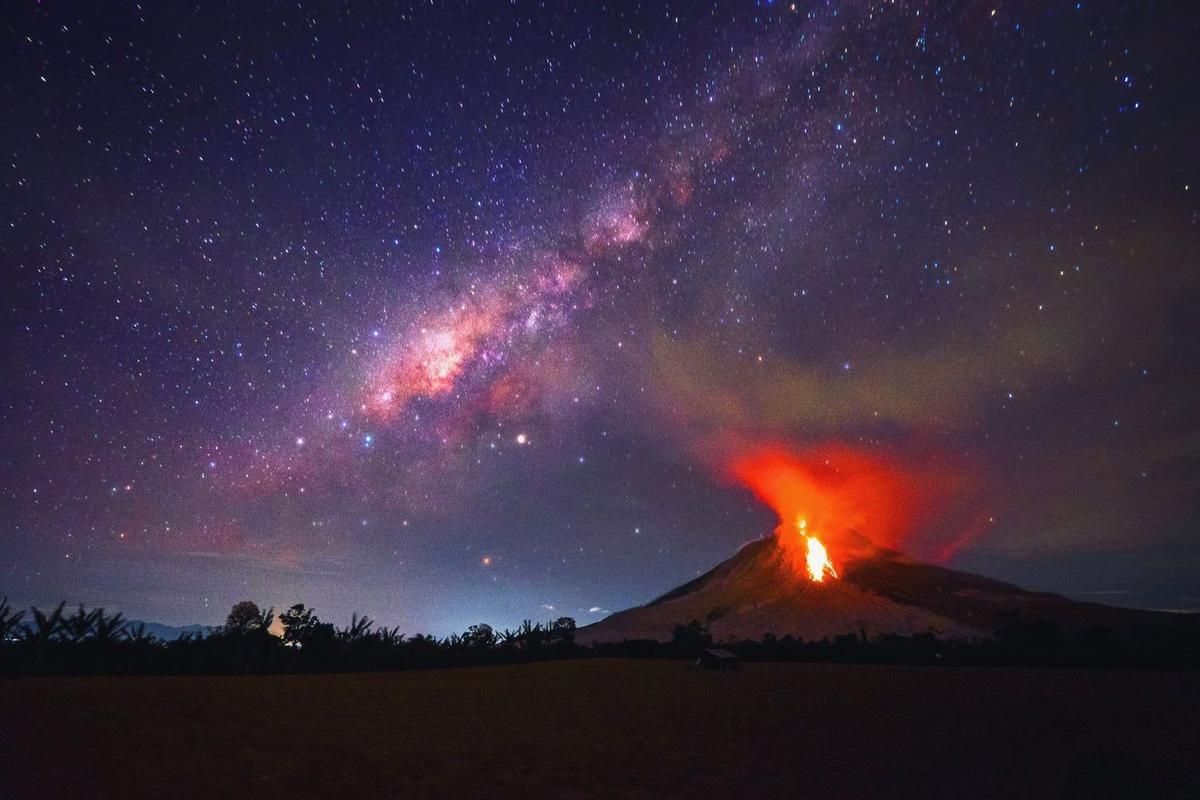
{"x": 816, "y": 560}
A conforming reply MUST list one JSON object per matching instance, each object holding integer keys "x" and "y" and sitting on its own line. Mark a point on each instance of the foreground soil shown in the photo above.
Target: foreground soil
{"x": 608, "y": 728}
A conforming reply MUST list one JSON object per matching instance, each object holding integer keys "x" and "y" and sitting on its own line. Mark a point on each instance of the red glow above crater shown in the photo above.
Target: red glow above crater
{"x": 839, "y": 496}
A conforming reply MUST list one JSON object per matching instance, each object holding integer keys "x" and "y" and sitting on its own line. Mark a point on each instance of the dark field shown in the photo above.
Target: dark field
{"x": 600, "y": 729}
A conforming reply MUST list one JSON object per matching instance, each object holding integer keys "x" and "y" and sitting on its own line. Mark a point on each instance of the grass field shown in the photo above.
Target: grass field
{"x": 608, "y": 728}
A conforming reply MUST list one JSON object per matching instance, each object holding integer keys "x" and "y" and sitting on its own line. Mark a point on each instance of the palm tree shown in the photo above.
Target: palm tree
{"x": 358, "y": 628}
{"x": 46, "y": 627}
{"x": 10, "y": 621}
{"x": 530, "y": 635}
{"x": 390, "y": 637}
{"x": 76, "y": 628}
{"x": 108, "y": 630}
{"x": 41, "y": 636}
{"x": 139, "y": 635}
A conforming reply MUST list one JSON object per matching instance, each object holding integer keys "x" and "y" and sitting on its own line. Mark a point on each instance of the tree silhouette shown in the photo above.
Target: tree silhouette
{"x": 358, "y": 628}
{"x": 46, "y": 627}
{"x": 530, "y": 636}
{"x": 245, "y": 618}
{"x": 302, "y": 627}
{"x": 93, "y": 642}
{"x": 562, "y": 630}
{"x": 108, "y": 629}
{"x": 390, "y": 637}
{"x": 480, "y": 636}
{"x": 139, "y": 635}
{"x": 691, "y": 635}
{"x": 78, "y": 627}
{"x": 10, "y": 621}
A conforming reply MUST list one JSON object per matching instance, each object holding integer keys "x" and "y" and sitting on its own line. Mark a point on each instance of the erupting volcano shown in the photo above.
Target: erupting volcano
{"x": 832, "y": 566}
{"x": 827, "y": 498}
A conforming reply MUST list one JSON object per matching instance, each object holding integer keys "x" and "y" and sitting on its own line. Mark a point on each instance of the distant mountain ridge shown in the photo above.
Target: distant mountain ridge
{"x": 172, "y": 632}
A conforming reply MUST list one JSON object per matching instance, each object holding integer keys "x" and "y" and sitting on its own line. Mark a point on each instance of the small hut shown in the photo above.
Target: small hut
{"x": 717, "y": 660}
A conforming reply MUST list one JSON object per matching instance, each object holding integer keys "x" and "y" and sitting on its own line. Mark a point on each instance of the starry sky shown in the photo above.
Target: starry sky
{"x": 462, "y": 311}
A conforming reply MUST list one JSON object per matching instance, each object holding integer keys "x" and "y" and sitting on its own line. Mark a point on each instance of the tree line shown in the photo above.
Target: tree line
{"x": 95, "y": 642}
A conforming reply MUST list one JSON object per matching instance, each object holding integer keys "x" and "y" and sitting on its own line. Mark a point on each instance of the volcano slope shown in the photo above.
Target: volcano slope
{"x": 758, "y": 591}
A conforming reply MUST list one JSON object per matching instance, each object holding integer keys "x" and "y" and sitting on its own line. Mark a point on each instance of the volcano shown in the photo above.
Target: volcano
{"x": 760, "y": 591}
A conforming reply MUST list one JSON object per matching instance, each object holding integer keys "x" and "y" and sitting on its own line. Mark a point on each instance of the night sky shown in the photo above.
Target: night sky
{"x": 461, "y": 313}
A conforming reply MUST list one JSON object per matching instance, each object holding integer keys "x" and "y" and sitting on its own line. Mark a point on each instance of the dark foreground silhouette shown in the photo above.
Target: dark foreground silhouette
{"x": 93, "y": 642}
{"x": 609, "y": 728}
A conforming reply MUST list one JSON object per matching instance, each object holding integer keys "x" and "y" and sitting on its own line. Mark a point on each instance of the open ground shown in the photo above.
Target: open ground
{"x": 609, "y": 728}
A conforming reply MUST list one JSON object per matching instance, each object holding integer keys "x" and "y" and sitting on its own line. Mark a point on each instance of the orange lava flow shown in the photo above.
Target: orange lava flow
{"x": 816, "y": 558}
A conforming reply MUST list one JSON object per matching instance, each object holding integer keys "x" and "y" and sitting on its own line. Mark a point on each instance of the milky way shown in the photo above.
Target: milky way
{"x": 460, "y": 314}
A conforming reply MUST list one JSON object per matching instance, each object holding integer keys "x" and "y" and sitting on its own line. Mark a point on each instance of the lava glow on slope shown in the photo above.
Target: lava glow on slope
{"x": 833, "y": 502}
